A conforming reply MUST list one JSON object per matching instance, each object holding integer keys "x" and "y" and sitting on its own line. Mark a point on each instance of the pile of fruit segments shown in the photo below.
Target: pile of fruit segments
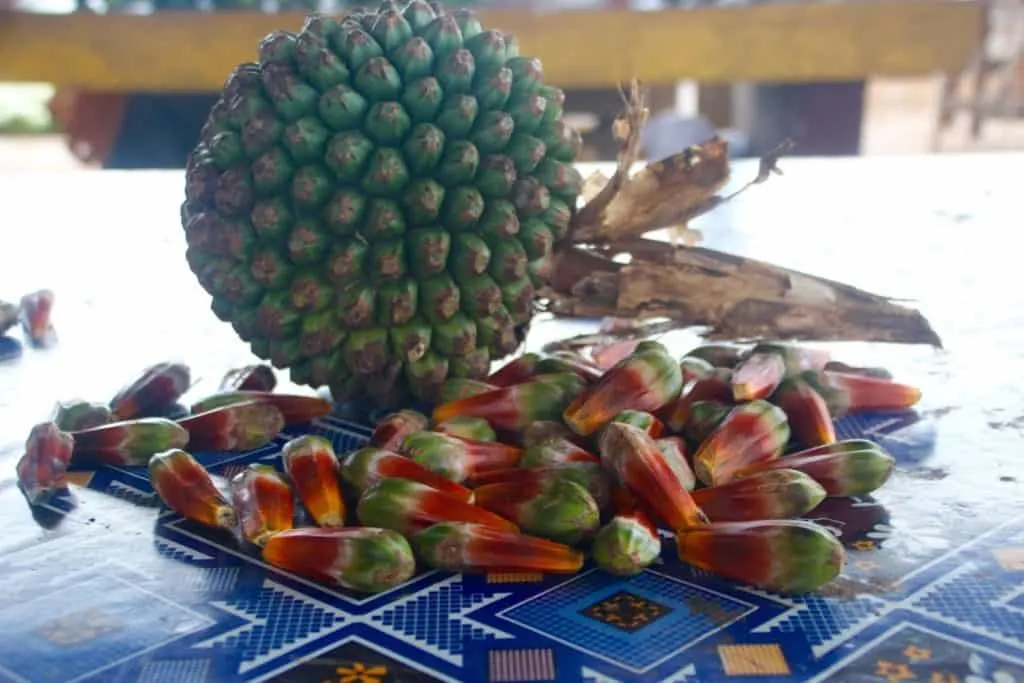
{"x": 551, "y": 460}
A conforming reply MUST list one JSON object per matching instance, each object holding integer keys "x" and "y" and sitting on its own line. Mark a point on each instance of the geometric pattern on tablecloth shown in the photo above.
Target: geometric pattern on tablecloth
{"x": 914, "y": 652}
{"x": 235, "y": 619}
{"x": 570, "y": 614}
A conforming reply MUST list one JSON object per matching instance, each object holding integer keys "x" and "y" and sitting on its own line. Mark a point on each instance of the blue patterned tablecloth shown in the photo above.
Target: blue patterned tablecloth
{"x": 102, "y": 586}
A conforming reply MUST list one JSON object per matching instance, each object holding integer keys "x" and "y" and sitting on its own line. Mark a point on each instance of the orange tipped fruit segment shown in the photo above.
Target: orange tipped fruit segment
{"x": 472, "y": 548}
{"x": 751, "y": 433}
{"x": 555, "y": 508}
{"x": 157, "y": 388}
{"x": 589, "y": 475}
{"x": 187, "y": 488}
{"x": 641, "y": 467}
{"x": 646, "y": 380}
{"x": 459, "y": 459}
{"x": 312, "y": 466}
{"x": 514, "y": 408}
{"x": 858, "y": 393}
{"x": 131, "y": 442}
{"x": 235, "y": 427}
{"x": 769, "y": 494}
{"x": 365, "y": 467}
{"x": 474, "y": 428}
{"x": 809, "y": 419}
{"x": 554, "y": 450}
{"x": 42, "y": 470}
{"x": 673, "y": 450}
{"x": 361, "y": 559}
{"x": 840, "y": 472}
{"x": 409, "y": 507}
{"x": 715, "y": 386}
{"x": 515, "y": 371}
{"x": 784, "y": 556}
{"x": 758, "y": 375}
{"x": 263, "y": 501}
{"x": 296, "y": 408}
{"x": 394, "y": 428}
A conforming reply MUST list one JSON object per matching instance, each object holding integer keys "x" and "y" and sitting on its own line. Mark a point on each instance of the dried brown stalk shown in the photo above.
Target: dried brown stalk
{"x": 735, "y": 297}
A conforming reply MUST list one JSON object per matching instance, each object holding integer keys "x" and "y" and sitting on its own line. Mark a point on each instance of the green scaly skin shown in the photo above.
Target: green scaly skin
{"x": 637, "y": 418}
{"x": 437, "y": 452}
{"x": 73, "y": 416}
{"x": 388, "y": 505}
{"x": 564, "y": 512}
{"x": 866, "y": 471}
{"x": 808, "y": 558}
{"x": 625, "y": 547}
{"x": 376, "y": 560}
{"x": 373, "y": 204}
{"x": 355, "y": 468}
{"x": 439, "y": 546}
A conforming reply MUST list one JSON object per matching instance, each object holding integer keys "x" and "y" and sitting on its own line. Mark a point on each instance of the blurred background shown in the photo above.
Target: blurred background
{"x": 128, "y": 83}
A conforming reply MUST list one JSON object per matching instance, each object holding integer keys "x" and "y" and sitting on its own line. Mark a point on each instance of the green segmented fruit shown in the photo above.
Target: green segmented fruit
{"x": 374, "y": 202}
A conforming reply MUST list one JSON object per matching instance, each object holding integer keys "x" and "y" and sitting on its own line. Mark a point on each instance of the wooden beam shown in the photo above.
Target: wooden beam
{"x": 582, "y": 49}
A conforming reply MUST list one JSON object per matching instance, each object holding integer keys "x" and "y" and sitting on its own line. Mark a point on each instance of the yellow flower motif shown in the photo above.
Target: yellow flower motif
{"x": 864, "y": 545}
{"x": 360, "y": 673}
{"x": 943, "y": 677}
{"x": 917, "y": 654}
{"x": 893, "y": 672}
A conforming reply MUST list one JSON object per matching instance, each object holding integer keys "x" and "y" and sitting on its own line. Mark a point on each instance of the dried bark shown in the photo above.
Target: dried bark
{"x": 735, "y": 297}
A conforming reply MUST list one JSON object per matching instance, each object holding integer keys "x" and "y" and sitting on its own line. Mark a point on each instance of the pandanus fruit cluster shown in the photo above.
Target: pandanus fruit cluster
{"x": 548, "y": 462}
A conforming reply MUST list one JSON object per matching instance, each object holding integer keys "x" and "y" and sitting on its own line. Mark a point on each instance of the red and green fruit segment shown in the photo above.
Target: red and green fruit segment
{"x": 363, "y": 559}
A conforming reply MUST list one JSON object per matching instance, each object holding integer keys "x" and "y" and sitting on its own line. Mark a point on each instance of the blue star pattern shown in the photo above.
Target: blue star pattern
{"x": 169, "y": 601}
